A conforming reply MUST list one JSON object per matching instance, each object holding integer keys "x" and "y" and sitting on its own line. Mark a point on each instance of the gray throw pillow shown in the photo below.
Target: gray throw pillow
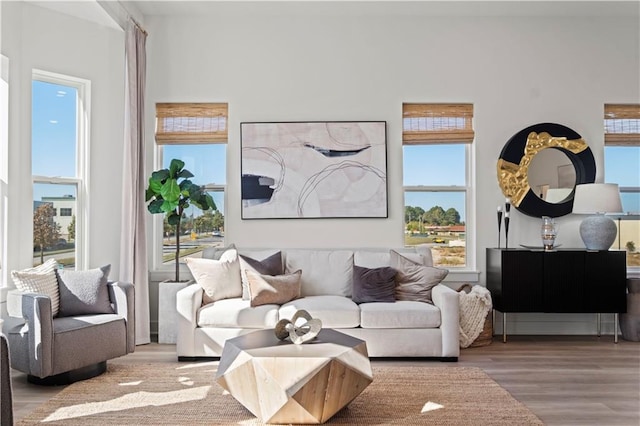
{"x": 272, "y": 265}
{"x": 84, "y": 292}
{"x": 415, "y": 281}
{"x": 373, "y": 285}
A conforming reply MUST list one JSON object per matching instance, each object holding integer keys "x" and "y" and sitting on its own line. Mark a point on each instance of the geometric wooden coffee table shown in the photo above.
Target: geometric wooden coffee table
{"x": 280, "y": 382}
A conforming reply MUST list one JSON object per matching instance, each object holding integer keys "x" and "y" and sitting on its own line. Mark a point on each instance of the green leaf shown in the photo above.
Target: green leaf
{"x": 175, "y": 168}
{"x": 169, "y": 206}
{"x": 210, "y": 203}
{"x": 149, "y": 194}
{"x": 156, "y": 206}
{"x": 160, "y": 175}
{"x": 185, "y": 174}
{"x": 170, "y": 191}
{"x": 185, "y": 185}
{"x": 173, "y": 219}
{"x": 155, "y": 185}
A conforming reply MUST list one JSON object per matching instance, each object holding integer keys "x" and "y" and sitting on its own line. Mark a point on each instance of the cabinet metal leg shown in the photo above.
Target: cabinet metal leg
{"x": 504, "y": 327}
{"x": 615, "y": 328}
{"x": 598, "y": 322}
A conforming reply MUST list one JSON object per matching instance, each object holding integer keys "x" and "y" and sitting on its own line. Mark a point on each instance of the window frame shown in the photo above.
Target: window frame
{"x": 161, "y": 140}
{"x": 468, "y": 189}
{"x": 81, "y": 179}
{"x": 620, "y": 133}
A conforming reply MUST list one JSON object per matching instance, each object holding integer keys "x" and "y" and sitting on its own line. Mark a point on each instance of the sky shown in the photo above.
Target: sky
{"x": 54, "y": 154}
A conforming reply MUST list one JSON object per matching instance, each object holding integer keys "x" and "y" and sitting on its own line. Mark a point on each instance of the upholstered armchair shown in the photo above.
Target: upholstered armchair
{"x": 63, "y": 348}
{"x": 6, "y": 393}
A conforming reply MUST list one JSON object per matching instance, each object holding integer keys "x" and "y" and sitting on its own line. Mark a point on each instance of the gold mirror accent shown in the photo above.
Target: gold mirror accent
{"x": 513, "y": 178}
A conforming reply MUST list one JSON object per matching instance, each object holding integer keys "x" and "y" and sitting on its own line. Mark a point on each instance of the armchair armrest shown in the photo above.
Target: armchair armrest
{"x": 447, "y": 300}
{"x": 36, "y": 311}
{"x": 122, "y": 296}
{"x": 188, "y": 301}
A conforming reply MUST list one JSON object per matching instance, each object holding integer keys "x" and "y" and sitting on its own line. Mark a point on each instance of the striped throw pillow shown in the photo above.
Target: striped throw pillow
{"x": 41, "y": 279}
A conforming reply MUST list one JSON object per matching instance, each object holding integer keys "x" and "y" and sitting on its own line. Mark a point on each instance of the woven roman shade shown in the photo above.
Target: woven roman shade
{"x": 191, "y": 123}
{"x": 622, "y": 124}
{"x": 437, "y": 123}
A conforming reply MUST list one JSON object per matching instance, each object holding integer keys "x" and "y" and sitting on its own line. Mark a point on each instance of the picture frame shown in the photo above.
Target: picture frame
{"x": 314, "y": 169}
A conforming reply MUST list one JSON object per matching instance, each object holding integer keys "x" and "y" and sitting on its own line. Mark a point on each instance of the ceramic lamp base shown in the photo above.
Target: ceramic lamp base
{"x": 598, "y": 232}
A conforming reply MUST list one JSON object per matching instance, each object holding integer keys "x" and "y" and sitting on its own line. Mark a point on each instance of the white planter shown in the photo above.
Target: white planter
{"x": 167, "y": 310}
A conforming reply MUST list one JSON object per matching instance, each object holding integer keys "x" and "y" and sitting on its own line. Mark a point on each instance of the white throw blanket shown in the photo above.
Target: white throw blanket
{"x": 474, "y": 307}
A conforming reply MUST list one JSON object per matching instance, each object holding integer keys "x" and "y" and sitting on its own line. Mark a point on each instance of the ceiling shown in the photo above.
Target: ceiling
{"x": 415, "y": 7}
{"x": 102, "y": 11}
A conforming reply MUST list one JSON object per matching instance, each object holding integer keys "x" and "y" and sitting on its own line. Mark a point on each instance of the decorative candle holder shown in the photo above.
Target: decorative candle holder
{"x": 499, "y": 223}
{"x": 506, "y": 230}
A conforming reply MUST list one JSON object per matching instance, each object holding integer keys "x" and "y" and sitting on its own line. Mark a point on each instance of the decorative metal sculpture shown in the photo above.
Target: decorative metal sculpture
{"x": 300, "y": 329}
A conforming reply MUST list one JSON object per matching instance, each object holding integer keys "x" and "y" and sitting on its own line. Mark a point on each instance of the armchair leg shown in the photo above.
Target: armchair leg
{"x": 70, "y": 376}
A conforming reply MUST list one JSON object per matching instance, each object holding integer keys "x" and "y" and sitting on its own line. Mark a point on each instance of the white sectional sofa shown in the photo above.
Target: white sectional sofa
{"x": 391, "y": 329}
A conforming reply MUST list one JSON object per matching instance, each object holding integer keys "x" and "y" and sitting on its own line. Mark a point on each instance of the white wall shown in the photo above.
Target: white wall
{"x": 517, "y": 71}
{"x": 37, "y": 38}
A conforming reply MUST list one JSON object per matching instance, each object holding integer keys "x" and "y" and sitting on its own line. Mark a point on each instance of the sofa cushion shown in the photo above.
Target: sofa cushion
{"x": 220, "y": 279}
{"x": 42, "y": 280}
{"x": 269, "y": 265}
{"x": 376, "y": 259}
{"x": 237, "y": 313}
{"x": 273, "y": 289}
{"x": 333, "y": 311}
{"x": 373, "y": 284}
{"x": 84, "y": 292}
{"x": 324, "y": 272}
{"x": 214, "y": 253}
{"x": 402, "y": 314}
{"x": 413, "y": 280}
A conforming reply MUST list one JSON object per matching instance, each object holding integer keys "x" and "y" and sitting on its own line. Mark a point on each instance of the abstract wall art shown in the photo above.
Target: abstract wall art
{"x": 332, "y": 169}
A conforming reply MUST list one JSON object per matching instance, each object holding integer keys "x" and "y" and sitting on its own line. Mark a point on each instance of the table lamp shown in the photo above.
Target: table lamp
{"x": 598, "y": 232}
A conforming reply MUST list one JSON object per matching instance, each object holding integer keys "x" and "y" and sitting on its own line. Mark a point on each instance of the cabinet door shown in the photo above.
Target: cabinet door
{"x": 564, "y": 289}
{"x": 605, "y": 282}
{"x": 522, "y": 281}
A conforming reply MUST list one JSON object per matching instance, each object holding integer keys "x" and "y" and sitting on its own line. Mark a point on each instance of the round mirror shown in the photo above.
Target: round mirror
{"x": 552, "y": 176}
{"x": 518, "y": 160}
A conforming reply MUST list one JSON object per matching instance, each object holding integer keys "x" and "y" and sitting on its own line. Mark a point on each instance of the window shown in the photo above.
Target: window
{"x": 437, "y": 168}
{"x": 195, "y": 133}
{"x": 59, "y": 142}
{"x": 622, "y": 165}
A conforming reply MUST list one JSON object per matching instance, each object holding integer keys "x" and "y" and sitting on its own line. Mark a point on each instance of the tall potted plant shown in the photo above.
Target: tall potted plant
{"x": 171, "y": 192}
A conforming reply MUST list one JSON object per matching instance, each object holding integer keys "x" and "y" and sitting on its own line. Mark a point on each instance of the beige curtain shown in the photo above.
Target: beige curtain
{"x": 133, "y": 244}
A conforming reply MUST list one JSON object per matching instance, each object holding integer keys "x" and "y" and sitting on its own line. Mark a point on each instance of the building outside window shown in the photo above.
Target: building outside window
{"x": 622, "y": 166}
{"x": 437, "y": 142}
{"x": 59, "y": 150}
{"x": 195, "y": 133}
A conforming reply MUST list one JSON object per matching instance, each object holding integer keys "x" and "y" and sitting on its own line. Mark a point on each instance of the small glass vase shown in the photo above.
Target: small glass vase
{"x": 548, "y": 232}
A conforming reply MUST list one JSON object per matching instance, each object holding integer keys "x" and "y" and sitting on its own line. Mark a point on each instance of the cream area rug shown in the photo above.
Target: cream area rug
{"x": 187, "y": 394}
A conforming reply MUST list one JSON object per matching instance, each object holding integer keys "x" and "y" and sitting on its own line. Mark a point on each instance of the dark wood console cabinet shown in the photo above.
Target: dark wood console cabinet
{"x": 561, "y": 281}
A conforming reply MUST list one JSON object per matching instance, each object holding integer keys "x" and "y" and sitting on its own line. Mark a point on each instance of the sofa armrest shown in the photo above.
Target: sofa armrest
{"x": 188, "y": 301}
{"x": 447, "y": 300}
{"x": 122, "y": 296}
{"x": 36, "y": 310}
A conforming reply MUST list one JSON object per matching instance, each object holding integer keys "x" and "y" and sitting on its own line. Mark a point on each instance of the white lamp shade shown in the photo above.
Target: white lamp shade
{"x": 591, "y": 198}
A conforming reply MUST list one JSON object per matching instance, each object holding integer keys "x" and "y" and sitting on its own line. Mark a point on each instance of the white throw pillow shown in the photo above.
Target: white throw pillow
{"x": 220, "y": 279}
{"x": 41, "y": 279}
{"x": 324, "y": 272}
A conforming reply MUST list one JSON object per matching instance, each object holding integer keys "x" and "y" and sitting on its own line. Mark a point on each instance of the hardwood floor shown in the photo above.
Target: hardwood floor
{"x": 564, "y": 380}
